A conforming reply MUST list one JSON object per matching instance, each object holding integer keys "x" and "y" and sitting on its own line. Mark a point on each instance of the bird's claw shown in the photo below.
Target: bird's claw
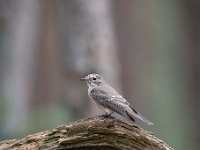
{"x": 106, "y": 115}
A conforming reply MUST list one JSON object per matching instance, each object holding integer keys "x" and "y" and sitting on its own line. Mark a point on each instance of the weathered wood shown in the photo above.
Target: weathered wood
{"x": 90, "y": 133}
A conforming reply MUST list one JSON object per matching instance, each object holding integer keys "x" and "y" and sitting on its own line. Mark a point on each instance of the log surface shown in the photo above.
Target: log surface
{"x": 89, "y": 134}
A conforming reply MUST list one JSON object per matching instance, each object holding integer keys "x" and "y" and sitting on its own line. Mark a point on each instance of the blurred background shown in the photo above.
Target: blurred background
{"x": 148, "y": 50}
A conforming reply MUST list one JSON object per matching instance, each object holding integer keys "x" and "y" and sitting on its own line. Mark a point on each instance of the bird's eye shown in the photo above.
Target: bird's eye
{"x": 94, "y": 78}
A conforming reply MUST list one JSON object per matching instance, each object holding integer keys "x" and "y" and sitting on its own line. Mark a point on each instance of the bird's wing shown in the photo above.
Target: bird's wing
{"x": 126, "y": 110}
{"x": 130, "y": 111}
{"x": 103, "y": 94}
{"x": 98, "y": 95}
{"x": 117, "y": 104}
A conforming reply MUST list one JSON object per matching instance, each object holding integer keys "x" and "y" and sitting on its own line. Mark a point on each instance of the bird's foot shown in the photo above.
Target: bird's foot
{"x": 106, "y": 115}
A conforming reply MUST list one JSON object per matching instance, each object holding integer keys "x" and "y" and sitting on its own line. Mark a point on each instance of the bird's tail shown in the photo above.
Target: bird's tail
{"x": 134, "y": 113}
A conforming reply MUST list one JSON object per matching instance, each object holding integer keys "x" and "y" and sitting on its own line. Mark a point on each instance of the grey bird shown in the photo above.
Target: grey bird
{"x": 105, "y": 96}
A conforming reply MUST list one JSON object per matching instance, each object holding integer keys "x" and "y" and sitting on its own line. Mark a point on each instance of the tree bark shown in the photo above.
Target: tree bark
{"x": 90, "y": 133}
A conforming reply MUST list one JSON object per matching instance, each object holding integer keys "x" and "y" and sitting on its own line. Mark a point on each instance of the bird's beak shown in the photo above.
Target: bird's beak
{"x": 83, "y": 79}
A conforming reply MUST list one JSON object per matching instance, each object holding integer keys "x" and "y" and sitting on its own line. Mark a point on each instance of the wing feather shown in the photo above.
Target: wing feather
{"x": 116, "y": 103}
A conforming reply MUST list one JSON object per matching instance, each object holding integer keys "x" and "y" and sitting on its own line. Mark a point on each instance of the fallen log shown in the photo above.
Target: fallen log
{"x": 89, "y": 134}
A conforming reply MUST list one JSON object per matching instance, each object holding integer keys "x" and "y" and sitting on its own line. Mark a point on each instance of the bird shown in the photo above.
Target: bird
{"x": 100, "y": 92}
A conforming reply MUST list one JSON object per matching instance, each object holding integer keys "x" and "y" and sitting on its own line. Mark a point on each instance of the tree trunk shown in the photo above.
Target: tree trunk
{"x": 18, "y": 85}
{"x": 90, "y": 133}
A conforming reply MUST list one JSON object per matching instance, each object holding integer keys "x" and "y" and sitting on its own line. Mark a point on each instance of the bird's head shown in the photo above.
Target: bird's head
{"x": 93, "y": 80}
